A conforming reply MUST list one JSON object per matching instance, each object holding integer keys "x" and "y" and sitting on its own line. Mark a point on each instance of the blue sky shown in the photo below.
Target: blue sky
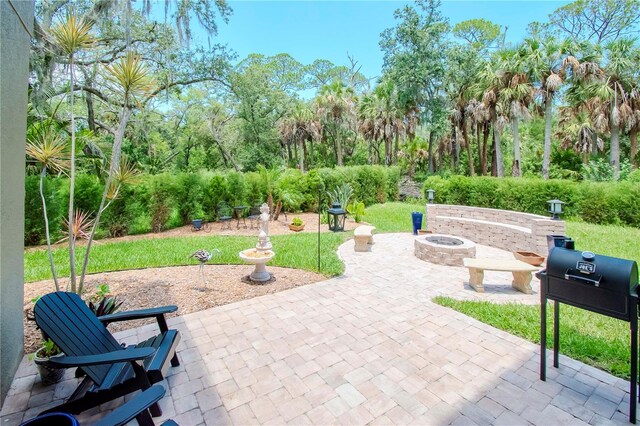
{"x": 310, "y": 30}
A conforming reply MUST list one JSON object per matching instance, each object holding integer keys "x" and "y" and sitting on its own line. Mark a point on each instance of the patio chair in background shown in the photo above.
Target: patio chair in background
{"x": 254, "y": 215}
{"x": 111, "y": 370}
{"x": 225, "y": 215}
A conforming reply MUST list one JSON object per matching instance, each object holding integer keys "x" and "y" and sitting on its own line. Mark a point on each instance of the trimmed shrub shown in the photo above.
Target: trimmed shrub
{"x": 602, "y": 203}
{"x": 34, "y": 230}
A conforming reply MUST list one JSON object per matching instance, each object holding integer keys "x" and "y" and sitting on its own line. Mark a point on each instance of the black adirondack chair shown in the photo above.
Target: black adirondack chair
{"x": 111, "y": 369}
{"x": 136, "y": 408}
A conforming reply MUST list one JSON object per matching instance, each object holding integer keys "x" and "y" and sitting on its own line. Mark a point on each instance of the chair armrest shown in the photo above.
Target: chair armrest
{"x": 128, "y": 411}
{"x": 137, "y": 314}
{"x": 125, "y": 355}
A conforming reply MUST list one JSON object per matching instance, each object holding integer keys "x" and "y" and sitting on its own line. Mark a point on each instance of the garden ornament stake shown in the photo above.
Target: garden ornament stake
{"x": 203, "y": 257}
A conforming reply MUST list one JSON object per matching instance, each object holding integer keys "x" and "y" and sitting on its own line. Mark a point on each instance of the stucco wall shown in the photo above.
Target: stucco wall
{"x": 14, "y": 68}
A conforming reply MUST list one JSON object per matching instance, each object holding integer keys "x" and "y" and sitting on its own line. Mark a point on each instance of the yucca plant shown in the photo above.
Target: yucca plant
{"x": 131, "y": 78}
{"x": 47, "y": 148}
{"x": 71, "y": 36}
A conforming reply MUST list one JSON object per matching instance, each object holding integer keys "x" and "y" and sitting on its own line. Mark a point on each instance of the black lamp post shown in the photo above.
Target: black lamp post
{"x": 430, "y": 195}
{"x": 555, "y": 208}
{"x": 336, "y": 216}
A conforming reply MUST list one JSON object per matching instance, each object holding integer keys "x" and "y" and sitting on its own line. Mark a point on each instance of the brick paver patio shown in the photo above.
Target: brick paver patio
{"x": 368, "y": 347}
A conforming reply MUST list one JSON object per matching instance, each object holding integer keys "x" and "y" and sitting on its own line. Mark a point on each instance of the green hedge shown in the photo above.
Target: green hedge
{"x": 169, "y": 200}
{"x": 600, "y": 203}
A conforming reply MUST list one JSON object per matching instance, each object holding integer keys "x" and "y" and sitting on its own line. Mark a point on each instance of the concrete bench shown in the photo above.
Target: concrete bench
{"x": 363, "y": 236}
{"x": 521, "y": 272}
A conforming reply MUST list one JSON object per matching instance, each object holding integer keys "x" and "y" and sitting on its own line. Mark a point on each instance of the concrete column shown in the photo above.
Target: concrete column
{"x": 16, "y": 22}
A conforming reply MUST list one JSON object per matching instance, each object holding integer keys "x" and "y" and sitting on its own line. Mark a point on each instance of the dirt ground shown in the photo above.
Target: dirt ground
{"x": 183, "y": 285}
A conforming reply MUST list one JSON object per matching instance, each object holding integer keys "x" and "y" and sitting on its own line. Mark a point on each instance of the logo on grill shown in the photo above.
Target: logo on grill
{"x": 586, "y": 267}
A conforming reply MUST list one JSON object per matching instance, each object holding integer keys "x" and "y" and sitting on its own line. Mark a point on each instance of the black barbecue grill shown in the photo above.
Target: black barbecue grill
{"x": 601, "y": 284}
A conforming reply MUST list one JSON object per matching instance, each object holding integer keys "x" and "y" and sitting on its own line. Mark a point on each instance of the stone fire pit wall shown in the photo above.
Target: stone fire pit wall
{"x": 503, "y": 229}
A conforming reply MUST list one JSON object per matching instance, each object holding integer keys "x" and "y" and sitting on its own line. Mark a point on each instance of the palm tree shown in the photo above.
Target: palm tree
{"x": 336, "y": 106}
{"x": 609, "y": 103}
{"x": 491, "y": 81}
{"x": 576, "y": 132}
{"x": 517, "y": 96}
{"x": 547, "y": 62}
{"x": 299, "y": 127}
{"x": 381, "y": 118}
{"x": 72, "y": 36}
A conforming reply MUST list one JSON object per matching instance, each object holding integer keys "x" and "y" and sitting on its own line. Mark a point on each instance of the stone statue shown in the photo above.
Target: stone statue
{"x": 263, "y": 237}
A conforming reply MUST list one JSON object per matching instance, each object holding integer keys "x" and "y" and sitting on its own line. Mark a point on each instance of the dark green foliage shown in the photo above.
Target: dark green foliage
{"x": 290, "y": 188}
{"x": 237, "y": 188}
{"x": 601, "y": 203}
{"x": 34, "y": 230}
{"x": 162, "y": 201}
{"x": 217, "y": 191}
{"x": 189, "y": 194}
{"x": 88, "y": 194}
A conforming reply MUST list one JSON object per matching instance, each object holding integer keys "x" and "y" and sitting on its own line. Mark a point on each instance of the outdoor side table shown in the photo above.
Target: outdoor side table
{"x": 238, "y": 211}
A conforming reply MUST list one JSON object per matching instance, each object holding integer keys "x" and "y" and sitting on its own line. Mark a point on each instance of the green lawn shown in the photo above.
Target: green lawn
{"x": 293, "y": 251}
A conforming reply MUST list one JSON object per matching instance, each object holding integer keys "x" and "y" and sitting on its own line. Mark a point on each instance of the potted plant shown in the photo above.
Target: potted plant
{"x": 296, "y": 224}
{"x": 48, "y": 374}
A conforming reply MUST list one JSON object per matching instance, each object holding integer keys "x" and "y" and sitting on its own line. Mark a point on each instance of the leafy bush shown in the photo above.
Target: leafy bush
{"x": 602, "y": 203}
{"x": 34, "y": 230}
{"x": 296, "y": 221}
{"x": 189, "y": 195}
{"x": 237, "y": 188}
{"x": 168, "y": 200}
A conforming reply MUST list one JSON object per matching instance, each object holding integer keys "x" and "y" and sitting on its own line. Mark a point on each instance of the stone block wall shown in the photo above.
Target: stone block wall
{"x": 503, "y": 229}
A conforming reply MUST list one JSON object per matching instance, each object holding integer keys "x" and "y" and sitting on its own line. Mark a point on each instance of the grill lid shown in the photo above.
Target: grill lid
{"x": 611, "y": 273}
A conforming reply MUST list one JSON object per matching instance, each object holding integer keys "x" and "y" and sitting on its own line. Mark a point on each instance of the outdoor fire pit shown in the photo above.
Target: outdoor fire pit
{"x": 444, "y": 249}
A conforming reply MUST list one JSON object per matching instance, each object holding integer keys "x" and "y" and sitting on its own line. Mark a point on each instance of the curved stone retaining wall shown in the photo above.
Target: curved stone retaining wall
{"x": 503, "y": 229}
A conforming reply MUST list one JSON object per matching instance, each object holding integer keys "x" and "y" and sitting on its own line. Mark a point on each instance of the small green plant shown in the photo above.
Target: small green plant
{"x": 356, "y": 209}
{"x": 47, "y": 350}
{"x": 297, "y": 221}
{"x": 341, "y": 194}
{"x": 103, "y": 304}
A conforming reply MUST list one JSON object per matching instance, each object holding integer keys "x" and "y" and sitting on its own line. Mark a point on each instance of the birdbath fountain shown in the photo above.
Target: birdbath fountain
{"x": 262, "y": 253}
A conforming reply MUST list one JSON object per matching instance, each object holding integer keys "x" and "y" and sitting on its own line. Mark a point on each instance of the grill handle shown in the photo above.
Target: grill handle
{"x": 573, "y": 277}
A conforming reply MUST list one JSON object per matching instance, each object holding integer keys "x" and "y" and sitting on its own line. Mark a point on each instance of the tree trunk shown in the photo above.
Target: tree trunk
{"x": 516, "y": 170}
{"x": 546, "y": 156}
{"x": 303, "y": 154}
{"x": 396, "y": 148}
{"x": 614, "y": 156}
{"x": 454, "y": 151}
{"x": 72, "y": 181}
{"x": 633, "y": 141}
{"x": 431, "y": 162}
{"x": 498, "y": 151}
{"x": 465, "y": 137}
{"x": 338, "y": 147}
{"x": 91, "y": 116}
{"x": 494, "y": 167}
{"x": 226, "y": 157}
{"x": 46, "y": 228}
{"x": 387, "y": 151}
{"x": 485, "y": 143}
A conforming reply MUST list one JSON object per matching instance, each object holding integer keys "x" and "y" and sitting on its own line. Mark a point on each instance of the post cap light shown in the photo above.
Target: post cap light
{"x": 430, "y": 195}
{"x": 555, "y": 208}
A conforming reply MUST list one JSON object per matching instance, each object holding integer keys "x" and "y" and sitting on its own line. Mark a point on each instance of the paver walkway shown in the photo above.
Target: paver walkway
{"x": 368, "y": 347}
